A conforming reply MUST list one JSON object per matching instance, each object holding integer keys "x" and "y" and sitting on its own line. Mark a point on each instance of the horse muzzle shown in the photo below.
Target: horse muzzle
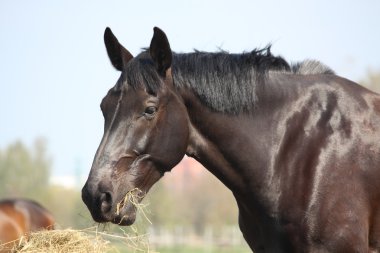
{"x": 104, "y": 206}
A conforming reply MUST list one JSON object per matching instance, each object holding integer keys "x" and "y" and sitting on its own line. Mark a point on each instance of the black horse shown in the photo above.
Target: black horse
{"x": 297, "y": 145}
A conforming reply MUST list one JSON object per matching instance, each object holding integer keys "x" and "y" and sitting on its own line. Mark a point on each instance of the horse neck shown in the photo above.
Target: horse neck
{"x": 232, "y": 147}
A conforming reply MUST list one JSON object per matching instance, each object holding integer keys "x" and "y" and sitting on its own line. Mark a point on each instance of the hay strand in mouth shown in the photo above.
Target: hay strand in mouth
{"x": 134, "y": 197}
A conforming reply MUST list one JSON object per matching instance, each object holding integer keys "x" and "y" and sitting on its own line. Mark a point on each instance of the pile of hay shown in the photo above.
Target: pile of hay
{"x": 79, "y": 241}
{"x": 62, "y": 241}
{"x": 88, "y": 240}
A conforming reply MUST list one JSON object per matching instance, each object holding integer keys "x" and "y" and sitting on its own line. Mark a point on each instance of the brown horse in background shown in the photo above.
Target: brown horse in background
{"x": 19, "y": 217}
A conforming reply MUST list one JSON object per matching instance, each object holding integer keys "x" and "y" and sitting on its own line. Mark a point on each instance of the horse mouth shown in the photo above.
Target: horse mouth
{"x": 126, "y": 216}
{"x": 126, "y": 208}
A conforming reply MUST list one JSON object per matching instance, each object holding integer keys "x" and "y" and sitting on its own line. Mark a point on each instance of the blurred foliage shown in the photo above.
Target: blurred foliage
{"x": 205, "y": 201}
{"x": 67, "y": 207}
{"x": 372, "y": 81}
{"x": 24, "y": 172}
{"x": 193, "y": 249}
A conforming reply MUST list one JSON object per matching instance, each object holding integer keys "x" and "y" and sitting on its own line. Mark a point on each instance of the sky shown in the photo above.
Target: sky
{"x": 54, "y": 69}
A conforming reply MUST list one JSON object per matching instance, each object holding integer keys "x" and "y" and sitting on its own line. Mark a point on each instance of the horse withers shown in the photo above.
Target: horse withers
{"x": 19, "y": 217}
{"x": 298, "y": 146}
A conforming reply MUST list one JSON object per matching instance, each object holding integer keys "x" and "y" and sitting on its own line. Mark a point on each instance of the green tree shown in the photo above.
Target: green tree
{"x": 67, "y": 207}
{"x": 24, "y": 172}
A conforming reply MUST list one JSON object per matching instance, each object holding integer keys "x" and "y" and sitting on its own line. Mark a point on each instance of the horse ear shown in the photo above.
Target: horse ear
{"x": 118, "y": 55}
{"x": 160, "y": 51}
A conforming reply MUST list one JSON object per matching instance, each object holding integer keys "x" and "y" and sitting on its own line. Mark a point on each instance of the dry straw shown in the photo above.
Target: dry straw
{"x": 62, "y": 241}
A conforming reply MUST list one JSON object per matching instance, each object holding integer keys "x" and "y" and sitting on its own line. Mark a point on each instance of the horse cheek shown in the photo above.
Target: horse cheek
{"x": 174, "y": 140}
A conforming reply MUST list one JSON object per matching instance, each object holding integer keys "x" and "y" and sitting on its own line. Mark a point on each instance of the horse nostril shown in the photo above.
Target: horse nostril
{"x": 105, "y": 202}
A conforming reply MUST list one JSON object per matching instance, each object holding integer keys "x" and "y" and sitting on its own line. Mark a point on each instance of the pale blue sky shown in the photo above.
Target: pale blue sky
{"x": 54, "y": 69}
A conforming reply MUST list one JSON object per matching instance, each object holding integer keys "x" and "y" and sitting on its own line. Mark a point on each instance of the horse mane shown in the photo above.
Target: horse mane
{"x": 311, "y": 67}
{"x": 223, "y": 81}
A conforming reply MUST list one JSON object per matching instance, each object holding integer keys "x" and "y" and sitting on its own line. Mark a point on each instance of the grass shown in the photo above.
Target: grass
{"x": 187, "y": 249}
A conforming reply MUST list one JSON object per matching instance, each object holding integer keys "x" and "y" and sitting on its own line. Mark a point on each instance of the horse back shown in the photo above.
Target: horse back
{"x": 19, "y": 217}
{"x": 40, "y": 218}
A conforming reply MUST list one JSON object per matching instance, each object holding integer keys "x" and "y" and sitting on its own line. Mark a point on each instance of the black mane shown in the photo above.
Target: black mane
{"x": 224, "y": 82}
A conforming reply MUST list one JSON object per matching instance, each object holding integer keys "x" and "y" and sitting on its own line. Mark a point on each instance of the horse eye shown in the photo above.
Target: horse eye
{"x": 150, "y": 110}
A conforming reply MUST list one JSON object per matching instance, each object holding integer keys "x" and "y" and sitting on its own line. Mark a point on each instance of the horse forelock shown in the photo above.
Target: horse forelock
{"x": 140, "y": 72}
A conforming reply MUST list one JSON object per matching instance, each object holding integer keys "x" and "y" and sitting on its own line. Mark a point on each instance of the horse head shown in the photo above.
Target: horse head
{"x": 146, "y": 130}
